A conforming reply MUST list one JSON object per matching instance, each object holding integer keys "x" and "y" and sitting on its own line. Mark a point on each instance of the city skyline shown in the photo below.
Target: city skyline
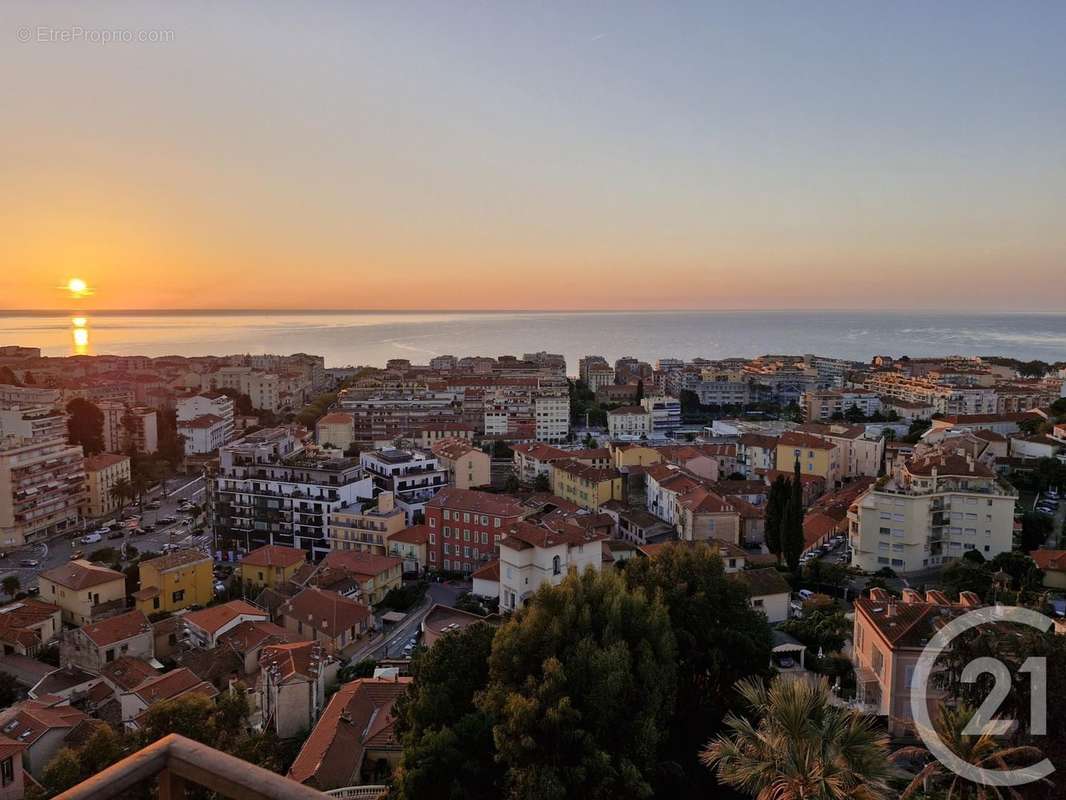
{"x": 608, "y": 157}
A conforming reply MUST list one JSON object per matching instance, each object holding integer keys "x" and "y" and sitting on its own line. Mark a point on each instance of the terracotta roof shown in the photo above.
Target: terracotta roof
{"x": 1050, "y": 560}
{"x": 976, "y": 419}
{"x": 523, "y": 535}
{"x": 906, "y": 625}
{"x": 8, "y": 747}
{"x": 360, "y": 564}
{"x": 489, "y": 572}
{"x": 417, "y": 534}
{"x": 947, "y": 464}
{"x": 202, "y": 421}
{"x": 324, "y": 611}
{"x": 117, "y": 629}
{"x": 586, "y": 472}
{"x": 701, "y": 500}
{"x": 177, "y": 558}
{"x": 250, "y": 635}
{"x": 273, "y": 555}
{"x": 291, "y": 659}
{"x": 763, "y": 581}
{"x": 146, "y": 594}
{"x": 177, "y": 682}
{"x": 60, "y": 680}
{"x": 128, "y": 672}
{"x": 758, "y": 440}
{"x": 499, "y": 505}
{"x": 103, "y": 461}
{"x": 358, "y": 715}
{"x": 538, "y": 451}
{"x": 627, "y": 410}
{"x": 804, "y": 440}
{"x": 336, "y": 418}
{"x": 817, "y": 526}
{"x": 31, "y": 719}
{"x": 81, "y": 574}
{"x": 452, "y": 448}
{"x": 213, "y": 618}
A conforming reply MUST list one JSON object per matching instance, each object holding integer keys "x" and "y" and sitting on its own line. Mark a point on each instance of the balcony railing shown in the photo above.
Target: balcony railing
{"x": 177, "y": 763}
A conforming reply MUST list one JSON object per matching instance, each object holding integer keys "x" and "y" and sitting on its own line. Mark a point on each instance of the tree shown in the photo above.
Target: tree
{"x": 85, "y": 426}
{"x": 974, "y": 557}
{"x": 965, "y": 576}
{"x": 1036, "y": 527}
{"x": 720, "y": 639}
{"x": 102, "y": 749}
{"x": 581, "y": 688}
{"x": 776, "y": 503}
{"x": 121, "y": 491}
{"x": 448, "y": 750}
{"x": 798, "y": 746}
{"x": 640, "y": 391}
{"x": 542, "y": 483}
{"x": 983, "y": 751}
{"x": 9, "y": 690}
{"x": 11, "y": 585}
{"x": 511, "y": 485}
{"x": 792, "y": 523}
{"x": 62, "y": 772}
{"x": 1024, "y": 572}
{"x": 191, "y": 716}
{"x": 820, "y": 629}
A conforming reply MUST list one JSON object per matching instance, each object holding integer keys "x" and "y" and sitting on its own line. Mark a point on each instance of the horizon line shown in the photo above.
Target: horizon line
{"x": 323, "y": 311}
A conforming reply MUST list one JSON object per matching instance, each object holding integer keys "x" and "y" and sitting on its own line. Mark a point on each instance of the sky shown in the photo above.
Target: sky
{"x": 549, "y": 155}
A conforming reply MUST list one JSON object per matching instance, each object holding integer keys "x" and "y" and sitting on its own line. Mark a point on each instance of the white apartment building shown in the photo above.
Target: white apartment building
{"x": 42, "y": 486}
{"x": 412, "y": 476}
{"x": 127, "y": 426}
{"x": 269, "y": 490}
{"x": 823, "y": 405}
{"x": 40, "y": 424}
{"x": 531, "y": 556}
{"x": 216, "y": 403}
{"x": 552, "y": 417}
{"x": 263, "y": 388}
{"x": 629, "y": 422}
{"x": 932, "y": 511}
{"x": 665, "y": 414}
{"x": 206, "y": 421}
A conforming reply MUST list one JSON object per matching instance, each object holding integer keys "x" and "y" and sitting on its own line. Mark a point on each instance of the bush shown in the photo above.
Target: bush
{"x": 404, "y": 597}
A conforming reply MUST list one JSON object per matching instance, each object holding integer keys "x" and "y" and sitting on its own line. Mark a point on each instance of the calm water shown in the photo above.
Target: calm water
{"x": 371, "y": 338}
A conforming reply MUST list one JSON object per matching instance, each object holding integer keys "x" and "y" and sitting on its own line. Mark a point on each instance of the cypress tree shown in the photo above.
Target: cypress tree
{"x": 792, "y": 526}
{"x": 775, "y": 514}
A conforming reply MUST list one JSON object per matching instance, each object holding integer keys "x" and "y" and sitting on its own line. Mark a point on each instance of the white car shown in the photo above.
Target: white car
{"x": 91, "y": 538}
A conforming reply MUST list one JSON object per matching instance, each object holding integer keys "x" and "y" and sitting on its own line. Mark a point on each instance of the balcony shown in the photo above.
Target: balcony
{"x": 177, "y": 763}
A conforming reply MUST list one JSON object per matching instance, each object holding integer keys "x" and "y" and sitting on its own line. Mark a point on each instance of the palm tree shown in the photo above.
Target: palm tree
{"x": 798, "y": 746}
{"x": 121, "y": 491}
{"x": 983, "y": 751}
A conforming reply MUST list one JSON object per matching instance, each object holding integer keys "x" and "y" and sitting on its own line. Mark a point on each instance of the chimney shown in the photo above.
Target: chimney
{"x": 386, "y": 502}
{"x": 969, "y": 600}
{"x": 911, "y": 596}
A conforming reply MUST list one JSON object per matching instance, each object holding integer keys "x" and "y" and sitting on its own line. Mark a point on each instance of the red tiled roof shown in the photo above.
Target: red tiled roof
{"x": 35, "y": 718}
{"x": 177, "y": 558}
{"x": 325, "y": 611}
{"x": 116, "y": 629}
{"x": 523, "y": 535}
{"x": 499, "y": 505}
{"x": 947, "y": 464}
{"x": 586, "y": 472}
{"x": 368, "y": 565}
{"x": 905, "y": 625}
{"x": 103, "y": 461}
{"x": 336, "y": 418}
{"x": 1050, "y": 560}
{"x": 274, "y": 555}
{"x": 358, "y": 715}
{"x": 177, "y": 682}
{"x": 202, "y": 421}
{"x": 489, "y": 572}
{"x": 804, "y": 440}
{"x": 80, "y": 574}
{"x": 452, "y": 448}
{"x": 417, "y": 534}
{"x": 250, "y": 635}
{"x": 291, "y": 659}
{"x": 538, "y": 451}
{"x": 213, "y": 618}
{"x": 127, "y": 672}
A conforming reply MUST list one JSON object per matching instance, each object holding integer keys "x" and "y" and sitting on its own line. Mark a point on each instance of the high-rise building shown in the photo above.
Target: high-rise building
{"x": 42, "y": 486}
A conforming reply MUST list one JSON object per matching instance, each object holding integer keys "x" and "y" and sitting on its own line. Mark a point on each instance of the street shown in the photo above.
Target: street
{"x": 58, "y": 551}
{"x": 395, "y": 639}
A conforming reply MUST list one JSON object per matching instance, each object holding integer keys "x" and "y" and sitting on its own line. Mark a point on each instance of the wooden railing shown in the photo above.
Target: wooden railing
{"x": 359, "y": 792}
{"x": 176, "y": 763}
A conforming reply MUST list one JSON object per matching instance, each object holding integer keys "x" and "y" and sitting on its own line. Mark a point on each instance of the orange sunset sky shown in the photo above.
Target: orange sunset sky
{"x": 536, "y": 156}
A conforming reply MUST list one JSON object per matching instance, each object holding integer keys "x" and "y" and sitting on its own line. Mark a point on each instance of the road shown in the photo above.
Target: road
{"x": 58, "y": 551}
{"x": 395, "y": 639}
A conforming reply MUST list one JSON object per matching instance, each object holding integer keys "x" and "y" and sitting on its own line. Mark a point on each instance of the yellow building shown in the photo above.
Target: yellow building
{"x": 468, "y": 467}
{"x": 102, "y": 472}
{"x": 86, "y": 592}
{"x": 175, "y": 581}
{"x": 410, "y": 544}
{"x": 585, "y": 485}
{"x": 367, "y": 530}
{"x": 816, "y": 456}
{"x": 376, "y": 575}
{"x": 270, "y": 565}
{"x": 336, "y": 429}
{"x": 634, "y": 455}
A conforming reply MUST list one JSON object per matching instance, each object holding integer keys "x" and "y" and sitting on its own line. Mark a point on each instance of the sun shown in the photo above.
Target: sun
{"x": 77, "y": 287}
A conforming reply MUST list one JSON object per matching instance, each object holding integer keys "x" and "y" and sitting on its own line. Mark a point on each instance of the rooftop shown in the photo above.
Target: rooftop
{"x": 81, "y": 574}
{"x": 117, "y": 629}
{"x": 274, "y": 555}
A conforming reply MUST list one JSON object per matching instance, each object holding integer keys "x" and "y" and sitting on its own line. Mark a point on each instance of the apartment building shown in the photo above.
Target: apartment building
{"x": 665, "y": 414}
{"x": 35, "y": 423}
{"x": 336, "y": 429}
{"x": 128, "y": 427}
{"x": 630, "y": 422}
{"x": 269, "y": 490}
{"x": 263, "y": 388}
{"x": 859, "y": 453}
{"x": 376, "y": 575}
{"x": 102, "y": 473}
{"x": 931, "y": 511}
{"x": 817, "y": 456}
{"x": 85, "y": 591}
{"x": 291, "y": 686}
{"x": 270, "y": 565}
{"x": 585, "y": 485}
{"x": 42, "y": 488}
{"x": 756, "y": 454}
{"x": 174, "y": 581}
{"x": 594, "y": 372}
{"x": 534, "y": 460}
{"x": 715, "y": 387}
{"x": 381, "y": 416}
{"x": 552, "y": 417}
{"x": 206, "y": 421}
{"x": 826, "y": 404}
{"x": 531, "y": 556}
{"x": 367, "y": 529}
{"x": 413, "y": 477}
{"x": 888, "y": 638}
{"x": 465, "y": 527}
{"x": 690, "y": 505}
{"x": 468, "y": 467}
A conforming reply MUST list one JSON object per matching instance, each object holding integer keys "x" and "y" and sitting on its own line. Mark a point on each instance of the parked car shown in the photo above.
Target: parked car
{"x": 805, "y": 594}
{"x": 29, "y": 562}
{"x": 152, "y": 505}
{"x": 33, "y": 591}
{"x": 119, "y": 534}
{"x": 77, "y": 554}
{"x": 220, "y": 587}
{"x": 116, "y": 526}
{"x": 92, "y": 538}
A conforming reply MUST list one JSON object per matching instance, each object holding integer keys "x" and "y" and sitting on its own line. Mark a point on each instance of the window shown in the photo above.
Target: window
{"x": 556, "y": 566}
{"x": 109, "y": 656}
{"x": 433, "y": 538}
{"x": 178, "y": 596}
{"x": 433, "y": 522}
{"x": 7, "y": 771}
{"x": 155, "y": 603}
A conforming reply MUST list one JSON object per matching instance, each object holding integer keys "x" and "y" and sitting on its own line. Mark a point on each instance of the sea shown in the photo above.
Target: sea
{"x": 370, "y": 338}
